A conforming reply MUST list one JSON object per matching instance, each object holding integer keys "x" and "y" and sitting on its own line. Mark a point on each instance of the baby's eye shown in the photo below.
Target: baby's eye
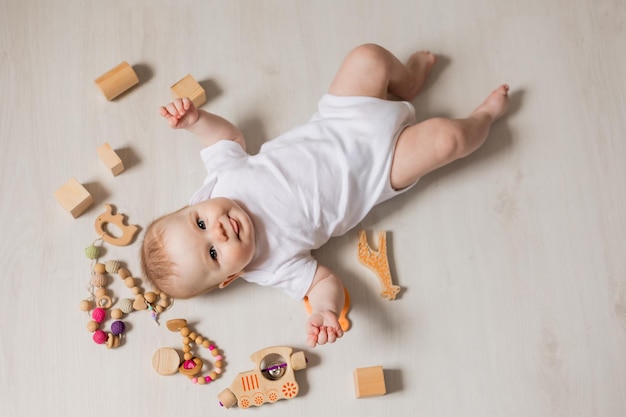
{"x": 213, "y": 252}
{"x": 201, "y": 224}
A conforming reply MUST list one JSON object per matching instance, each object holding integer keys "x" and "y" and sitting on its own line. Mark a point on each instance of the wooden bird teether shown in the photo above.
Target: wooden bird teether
{"x": 378, "y": 262}
{"x": 128, "y": 231}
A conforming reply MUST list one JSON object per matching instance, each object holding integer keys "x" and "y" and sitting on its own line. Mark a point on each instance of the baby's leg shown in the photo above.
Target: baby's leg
{"x": 423, "y": 147}
{"x": 371, "y": 70}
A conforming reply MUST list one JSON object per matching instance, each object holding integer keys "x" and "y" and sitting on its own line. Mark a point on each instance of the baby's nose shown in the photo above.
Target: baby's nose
{"x": 219, "y": 233}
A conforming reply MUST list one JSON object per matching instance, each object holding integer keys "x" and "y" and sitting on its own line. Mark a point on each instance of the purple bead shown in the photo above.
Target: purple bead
{"x": 118, "y": 327}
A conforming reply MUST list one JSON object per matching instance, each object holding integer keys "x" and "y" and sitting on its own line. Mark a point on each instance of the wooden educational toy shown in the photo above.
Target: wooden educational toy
{"x": 378, "y": 262}
{"x": 74, "y": 197}
{"x": 110, "y": 159}
{"x": 189, "y": 87}
{"x": 369, "y": 382}
{"x": 117, "y": 80}
{"x": 343, "y": 316}
{"x": 272, "y": 379}
{"x": 128, "y": 231}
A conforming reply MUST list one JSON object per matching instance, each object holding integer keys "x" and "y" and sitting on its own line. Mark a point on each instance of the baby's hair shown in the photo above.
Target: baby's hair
{"x": 156, "y": 262}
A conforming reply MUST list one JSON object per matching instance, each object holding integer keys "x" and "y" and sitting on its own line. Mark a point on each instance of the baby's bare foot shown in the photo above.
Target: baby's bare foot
{"x": 496, "y": 104}
{"x": 420, "y": 63}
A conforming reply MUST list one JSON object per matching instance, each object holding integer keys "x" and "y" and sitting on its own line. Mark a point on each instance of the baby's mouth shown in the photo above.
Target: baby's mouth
{"x": 234, "y": 225}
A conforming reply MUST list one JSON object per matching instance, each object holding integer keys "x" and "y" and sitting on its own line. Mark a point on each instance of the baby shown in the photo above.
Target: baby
{"x": 259, "y": 216}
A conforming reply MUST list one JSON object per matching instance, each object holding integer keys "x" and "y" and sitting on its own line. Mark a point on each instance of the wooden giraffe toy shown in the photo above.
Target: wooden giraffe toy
{"x": 378, "y": 262}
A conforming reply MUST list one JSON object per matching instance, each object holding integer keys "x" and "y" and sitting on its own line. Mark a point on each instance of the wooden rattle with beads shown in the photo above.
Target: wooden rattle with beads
{"x": 166, "y": 361}
{"x": 100, "y": 302}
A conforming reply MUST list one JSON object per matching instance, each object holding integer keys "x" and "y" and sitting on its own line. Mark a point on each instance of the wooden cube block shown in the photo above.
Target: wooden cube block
{"x": 189, "y": 87}
{"x": 117, "y": 80}
{"x": 110, "y": 159}
{"x": 74, "y": 197}
{"x": 369, "y": 382}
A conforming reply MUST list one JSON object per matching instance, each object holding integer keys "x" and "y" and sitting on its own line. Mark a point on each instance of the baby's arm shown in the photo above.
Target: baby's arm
{"x": 209, "y": 128}
{"x": 326, "y": 297}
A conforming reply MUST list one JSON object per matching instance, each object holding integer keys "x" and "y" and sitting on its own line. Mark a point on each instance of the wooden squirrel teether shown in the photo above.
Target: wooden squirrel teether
{"x": 128, "y": 231}
{"x": 378, "y": 262}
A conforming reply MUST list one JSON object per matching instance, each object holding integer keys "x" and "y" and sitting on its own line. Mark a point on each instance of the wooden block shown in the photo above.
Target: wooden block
{"x": 189, "y": 87}
{"x": 117, "y": 80}
{"x": 110, "y": 159}
{"x": 74, "y": 197}
{"x": 369, "y": 382}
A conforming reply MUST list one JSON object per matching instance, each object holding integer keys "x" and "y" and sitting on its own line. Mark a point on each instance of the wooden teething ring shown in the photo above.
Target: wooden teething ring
{"x": 128, "y": 231}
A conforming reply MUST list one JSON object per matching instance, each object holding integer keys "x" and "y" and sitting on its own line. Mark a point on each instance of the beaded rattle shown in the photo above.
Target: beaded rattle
{"x": 100, "y": 302}
{"x": 166, "y": 361}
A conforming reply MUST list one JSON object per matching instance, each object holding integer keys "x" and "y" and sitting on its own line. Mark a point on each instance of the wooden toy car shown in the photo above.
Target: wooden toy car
{"x": 273, "y": 378}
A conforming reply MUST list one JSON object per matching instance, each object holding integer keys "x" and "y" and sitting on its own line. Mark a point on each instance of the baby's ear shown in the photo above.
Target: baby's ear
{"x": 229, "y": 280}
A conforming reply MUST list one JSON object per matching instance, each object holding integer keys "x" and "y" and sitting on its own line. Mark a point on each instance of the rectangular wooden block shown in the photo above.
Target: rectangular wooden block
{"x": 369, "y": 382}
{"x": 110, "y": 159}
{"x": 74, "y": 197}
{"x": 189, "y": 87}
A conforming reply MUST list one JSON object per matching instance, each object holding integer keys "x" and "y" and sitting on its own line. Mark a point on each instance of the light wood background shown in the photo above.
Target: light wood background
{"x": 512, "y": 261}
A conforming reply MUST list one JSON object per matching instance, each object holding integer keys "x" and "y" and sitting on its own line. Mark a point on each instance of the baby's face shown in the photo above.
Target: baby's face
{"x": 211, "y": 243}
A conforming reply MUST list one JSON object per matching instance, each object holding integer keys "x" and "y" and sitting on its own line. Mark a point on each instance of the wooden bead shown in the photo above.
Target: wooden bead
{"x": 150, "y": 297}
{"x": 85, "y": 305}
{"x": 201, "y": 381}
{"x": 186, "y": 340}
{"x": 136, "y": 290}
{"x": 99, "y": 268}
{"x": 117, "y": 314}
{"x": 129, "y": 281}
{"x": 123, "y": 273}
{"x": 184, "y": 331}
{"x": 113, "y": 341}
{"x": 164, "y": 302}
{"x": 206, "y": 343}
{"x": 213, "y": 375}
{"x": 92, "y": 326}
{"x": 159, "y": 309}
{"x": 192, "y": 335}
{"x": 186, "y": 348}
{"x": 215, "y": 352}
{"x": 199, "y": 340}
{"x": 188, "y": 356}
{"x": 100, "y": 292}
{"x": 219, "y": 364}
{"x": 139, "y": 303}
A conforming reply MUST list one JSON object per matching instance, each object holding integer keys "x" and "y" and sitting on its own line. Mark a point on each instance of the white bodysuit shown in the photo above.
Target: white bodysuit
{"x": 314, "y": 182}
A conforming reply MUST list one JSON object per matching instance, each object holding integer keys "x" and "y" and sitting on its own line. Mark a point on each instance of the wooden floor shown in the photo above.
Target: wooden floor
{"x": 512, "y": 262}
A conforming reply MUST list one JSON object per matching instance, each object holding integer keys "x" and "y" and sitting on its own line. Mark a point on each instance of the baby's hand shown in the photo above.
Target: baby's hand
{"x": 180, "y": 113}
{"x": 322, "y": 328}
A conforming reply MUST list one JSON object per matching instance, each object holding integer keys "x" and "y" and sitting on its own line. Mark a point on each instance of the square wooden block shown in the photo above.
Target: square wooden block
{"x": 369, "y": 382}
{"x": 110, "y": 159}
{"x": 189, "y": 87}
{"x": 74, "y": 197}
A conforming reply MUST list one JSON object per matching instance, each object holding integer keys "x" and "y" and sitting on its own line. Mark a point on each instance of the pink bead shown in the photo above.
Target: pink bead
{"x": 99, "y": 337}
{"x": 211, "y": 347}
{"x": 218, "y": 370}
{"x": 194, "y": 380}
{"x": 219, "y": 357}
{"x": 207, "y": 379}
{"x": 98, "y": 314}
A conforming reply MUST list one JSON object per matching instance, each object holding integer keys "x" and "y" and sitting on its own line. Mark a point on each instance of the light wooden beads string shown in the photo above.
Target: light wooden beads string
{"x": 100, "y": 303}
{"x": 191, "y": 365}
